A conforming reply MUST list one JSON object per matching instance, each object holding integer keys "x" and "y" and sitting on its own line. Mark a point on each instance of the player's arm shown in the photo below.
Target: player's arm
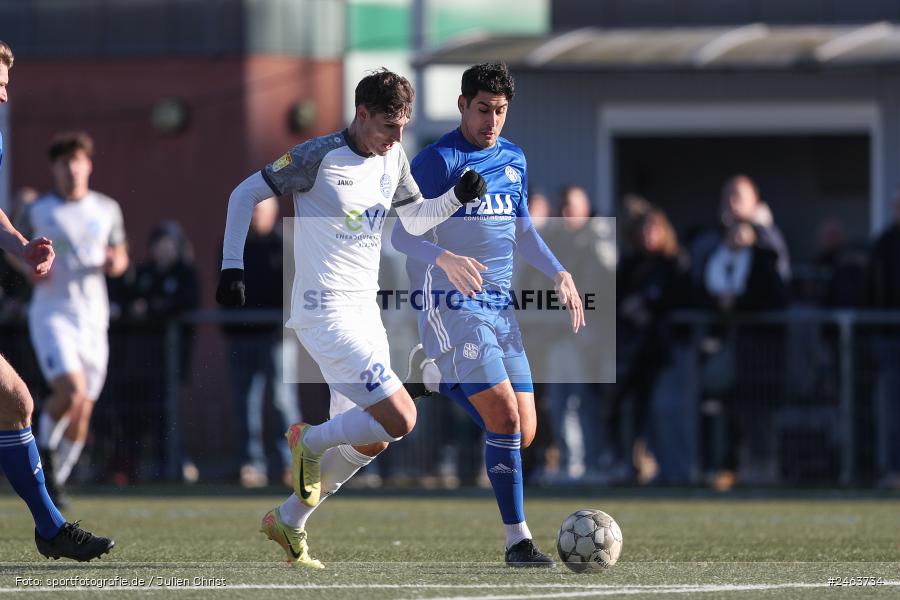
{"x": 116, "y": 248}
{"x": 417, "y": 214}
{"x": 293, "y": 171}
{"x": 116, "y": 260}
{"x": 10, "y": 239}
{"x": 33, "y": 258}
{"x": 462, "y": 271}
{"x": 431, "y": 175}
{"x": 535, "y": 251}
{"x": 243, "y": 199}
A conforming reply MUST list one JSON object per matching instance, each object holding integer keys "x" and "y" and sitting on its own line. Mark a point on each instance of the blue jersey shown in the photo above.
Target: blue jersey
{"x": 474, "y": 344}
{"x": 1, "y": 148}
{"x": 486, "y": 231}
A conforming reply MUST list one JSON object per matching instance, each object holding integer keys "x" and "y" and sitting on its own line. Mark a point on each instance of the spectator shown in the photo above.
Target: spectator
{"x": 650, "y": 282}
{"x": 841, "y": 265}
{"x": 740, "y": 201}
{"x": 161, "y": 287}
{"x": 633, "y": 209}
{"x": 884, "y": 269}
{"x": 539, "y": 209}
{"x": 742, "y": 275}
{"x": 884, "y": 293}
{"x": 585, "y": 246}
{"x": 526, "y": 277}
{"x": 257, "y": 352}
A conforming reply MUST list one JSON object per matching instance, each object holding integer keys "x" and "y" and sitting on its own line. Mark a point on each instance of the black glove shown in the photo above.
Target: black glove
{"x": 471, "y": 188}
{"x": 231, "y": 288}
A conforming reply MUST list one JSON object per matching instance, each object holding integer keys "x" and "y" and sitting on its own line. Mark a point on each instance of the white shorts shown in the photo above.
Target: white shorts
{"x": 353, "y": 355}
{"x": 62, "y": 347}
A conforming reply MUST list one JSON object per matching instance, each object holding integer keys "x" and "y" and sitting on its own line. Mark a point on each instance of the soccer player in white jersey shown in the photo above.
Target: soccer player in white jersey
{"x": 343, "y": 184}
{"x": 69, "y": 313}
{"x": 19, "y": 456}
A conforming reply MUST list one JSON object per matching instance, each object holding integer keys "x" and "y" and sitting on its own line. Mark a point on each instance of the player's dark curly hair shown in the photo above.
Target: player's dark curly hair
{"x": 493, "y": 78}
{"x": 66, "y": 143}
{"x": 385, "y": 92}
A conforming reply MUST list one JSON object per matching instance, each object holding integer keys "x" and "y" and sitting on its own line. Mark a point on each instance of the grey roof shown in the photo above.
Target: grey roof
{"x": 751, "y": 46}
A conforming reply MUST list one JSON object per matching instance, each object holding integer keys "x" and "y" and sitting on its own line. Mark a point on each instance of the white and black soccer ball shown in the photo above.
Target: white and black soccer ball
{"x": 589, "y": 540}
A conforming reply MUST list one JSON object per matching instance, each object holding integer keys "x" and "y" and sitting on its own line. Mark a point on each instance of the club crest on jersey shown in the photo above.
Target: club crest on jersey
{"x": 386, "y": 185}
{"x": 282, "y": 162}
{"x": 511, "y": 174}
{"x": 470, "y": 351}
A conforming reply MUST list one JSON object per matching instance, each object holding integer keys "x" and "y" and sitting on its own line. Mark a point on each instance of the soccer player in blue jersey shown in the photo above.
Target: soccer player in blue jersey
{"x": 18, "y": 452}
{"x": 478, "y": 347}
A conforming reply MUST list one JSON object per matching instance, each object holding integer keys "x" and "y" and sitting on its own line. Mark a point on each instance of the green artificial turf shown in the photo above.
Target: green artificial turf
{"x": 379, "y": 547}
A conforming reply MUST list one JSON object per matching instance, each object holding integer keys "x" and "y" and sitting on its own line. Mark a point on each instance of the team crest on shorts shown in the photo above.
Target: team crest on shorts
{"x": 470, "y": 350}
{"x": 386, "y": 185}
{"x": 511, "y": 174}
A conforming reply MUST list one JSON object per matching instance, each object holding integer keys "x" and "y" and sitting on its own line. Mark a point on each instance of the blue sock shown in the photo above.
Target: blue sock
{"x": 503, "y": 461}
{"x": 22, "y": 465}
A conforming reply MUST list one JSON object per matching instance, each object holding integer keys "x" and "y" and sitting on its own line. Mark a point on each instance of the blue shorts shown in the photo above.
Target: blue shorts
{"x": 475, "y": 345}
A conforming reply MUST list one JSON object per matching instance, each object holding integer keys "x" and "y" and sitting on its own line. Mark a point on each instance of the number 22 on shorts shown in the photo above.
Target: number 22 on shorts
{"x": 374, "y": 376}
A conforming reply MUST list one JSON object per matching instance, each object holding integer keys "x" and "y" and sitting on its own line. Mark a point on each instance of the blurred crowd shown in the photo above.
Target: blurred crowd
{"x": 765, "y": 390}
{"x": 640, "y": 429}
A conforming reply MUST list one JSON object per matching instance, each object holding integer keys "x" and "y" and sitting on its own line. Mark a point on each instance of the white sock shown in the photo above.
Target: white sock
{"x": 339, "y": 464}
{"x": 69, "y": 452}
{"x": 51, "y": 432}
{"x": 515, "y": 533}
{"x": 431, "y": 376}
{"x": 355, "y": 427}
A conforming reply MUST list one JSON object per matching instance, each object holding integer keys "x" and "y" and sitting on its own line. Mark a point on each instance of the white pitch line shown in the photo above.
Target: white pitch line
{"x": 637, "y": 589}
{"x": 589, "y": 590}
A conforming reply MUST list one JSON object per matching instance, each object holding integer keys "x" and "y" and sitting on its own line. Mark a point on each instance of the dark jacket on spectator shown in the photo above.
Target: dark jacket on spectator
{"x": 764, "y": 288}
{"x": 166, "y": 293}
{"x": 884, "y": 270}
{"x": 648, "y": 287}
{"x": 263, "y": 279}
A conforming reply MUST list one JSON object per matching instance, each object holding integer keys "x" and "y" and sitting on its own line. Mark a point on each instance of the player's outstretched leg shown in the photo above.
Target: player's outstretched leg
{"x": 497, "y": 411}
{"x": 21, "y": 463}
{"x": 59, "y": 438}
{"x": 503, "y": 461}
{"x": 388, "y": 420}
{"x": 22, "y": 466}
{"x": 338, "y": 465}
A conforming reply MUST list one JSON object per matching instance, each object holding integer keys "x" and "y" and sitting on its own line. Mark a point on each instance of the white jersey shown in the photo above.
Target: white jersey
{"x": 81, "y": 232}
{"x": 341, "y": 200}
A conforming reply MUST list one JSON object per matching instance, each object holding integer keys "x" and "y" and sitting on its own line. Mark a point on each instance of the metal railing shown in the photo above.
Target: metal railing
{"x": 851, "y": 333}
{"x": 847, "y": 331}
{"x": 843, "y": 395}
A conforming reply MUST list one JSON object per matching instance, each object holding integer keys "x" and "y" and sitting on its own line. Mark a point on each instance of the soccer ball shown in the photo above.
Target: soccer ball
{"x": 589, "y": 540}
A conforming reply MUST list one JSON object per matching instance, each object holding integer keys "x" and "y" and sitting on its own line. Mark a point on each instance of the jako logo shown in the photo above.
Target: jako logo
{"x": 373, "y": 217}
{"x": 492, "y": 205}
